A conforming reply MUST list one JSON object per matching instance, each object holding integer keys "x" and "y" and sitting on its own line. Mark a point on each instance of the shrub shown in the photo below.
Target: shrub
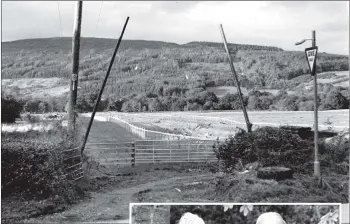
{"x": 268, "y": 146}
{"x": 10, "y": 109}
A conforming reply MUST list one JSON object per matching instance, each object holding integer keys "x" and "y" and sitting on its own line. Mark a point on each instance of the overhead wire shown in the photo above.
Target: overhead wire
{"x": 59, "y": 16}
{"x": 99, "y": 14}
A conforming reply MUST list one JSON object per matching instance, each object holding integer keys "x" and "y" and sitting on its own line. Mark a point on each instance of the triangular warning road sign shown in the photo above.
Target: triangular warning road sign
{"x": 311, "y": 55}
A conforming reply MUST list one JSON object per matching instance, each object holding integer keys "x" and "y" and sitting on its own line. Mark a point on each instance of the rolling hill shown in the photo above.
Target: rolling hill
{"x": 159, "y": 69}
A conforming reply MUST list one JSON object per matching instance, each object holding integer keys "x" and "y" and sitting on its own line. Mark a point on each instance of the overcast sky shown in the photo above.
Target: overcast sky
{"x": 262, "y": 23}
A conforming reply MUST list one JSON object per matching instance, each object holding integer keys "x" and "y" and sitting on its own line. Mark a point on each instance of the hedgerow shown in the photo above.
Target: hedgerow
{"x": 268, "y": 146}
{"x": 32, "y": 163}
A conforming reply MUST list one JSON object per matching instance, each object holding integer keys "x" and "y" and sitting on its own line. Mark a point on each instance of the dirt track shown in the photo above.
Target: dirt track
{"x": 111, "y": 203}
{"x": 114, "y": 204}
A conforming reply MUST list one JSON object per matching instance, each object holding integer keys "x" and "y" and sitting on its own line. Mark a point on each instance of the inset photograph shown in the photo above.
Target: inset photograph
{"x": 235, "y": 213}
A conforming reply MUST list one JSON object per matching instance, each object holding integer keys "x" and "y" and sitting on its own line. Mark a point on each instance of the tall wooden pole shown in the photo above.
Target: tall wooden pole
{"x": 75, "y": 69}
{"x": 317, "y": 168}
{"x": 103, "y": 86}
{"x": 249, "y": 125}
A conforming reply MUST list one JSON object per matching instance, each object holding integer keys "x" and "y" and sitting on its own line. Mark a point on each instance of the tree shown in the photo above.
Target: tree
{"x": 155, "y": 105}
{"x": 10, "y": 108}
{"x": 335, "y": 100}
{"x": 194, "y": 106}
{"x": 231, "y": 102}
{"x": 290, "y": 103}
{"x": 32, "y": 106}
{"x": 209, "y": 105}
{"x": 115, "y": 105}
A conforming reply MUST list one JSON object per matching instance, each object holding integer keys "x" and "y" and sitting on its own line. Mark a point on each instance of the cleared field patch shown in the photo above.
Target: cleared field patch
{"x": 221, "y": 91}
{"x": 340, "y": 78}
{"x": 35, "y": 87}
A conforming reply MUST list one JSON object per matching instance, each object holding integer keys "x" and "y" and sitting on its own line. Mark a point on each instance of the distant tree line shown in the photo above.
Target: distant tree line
{"x": 180, "y": 99}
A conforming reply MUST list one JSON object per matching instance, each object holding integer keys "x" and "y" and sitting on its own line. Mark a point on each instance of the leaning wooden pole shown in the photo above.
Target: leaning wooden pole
{"x": 74, "y": 79}
{"x": 249, "y": 125}
{"x": 103, "y": 86}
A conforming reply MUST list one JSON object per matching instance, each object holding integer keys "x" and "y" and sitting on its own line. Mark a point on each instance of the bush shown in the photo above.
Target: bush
{"x": 10, "y": 109}
{"x": 268, "y": 146}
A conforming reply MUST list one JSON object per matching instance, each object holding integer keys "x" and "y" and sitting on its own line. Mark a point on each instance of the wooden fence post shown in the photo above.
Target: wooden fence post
{"x": 170, "y": 150}
{"x": 133, "y": 155}
{"x": 153, "y": 151}
{"x": 188, "y": 149}
{"x": 206, "y": 153}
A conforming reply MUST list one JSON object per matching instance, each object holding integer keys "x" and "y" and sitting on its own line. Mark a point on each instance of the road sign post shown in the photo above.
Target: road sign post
{"x": 311, "y": 56}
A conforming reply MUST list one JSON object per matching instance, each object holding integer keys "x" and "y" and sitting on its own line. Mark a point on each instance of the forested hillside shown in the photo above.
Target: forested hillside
{"x": 154, "y": 75}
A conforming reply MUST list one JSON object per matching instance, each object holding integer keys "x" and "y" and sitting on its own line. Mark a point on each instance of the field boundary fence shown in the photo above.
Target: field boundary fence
{"x": 139, "y": 131}
{"x": 145, "y": 133}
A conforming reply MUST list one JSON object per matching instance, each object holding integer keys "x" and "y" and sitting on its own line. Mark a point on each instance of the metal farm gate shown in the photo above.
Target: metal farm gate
{"x": 175, "y": 151}
{"x": 152, "y": 151}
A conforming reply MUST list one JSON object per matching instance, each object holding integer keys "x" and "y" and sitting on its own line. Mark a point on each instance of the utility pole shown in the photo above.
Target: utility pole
{"x": 75, "y": 55}
{"x": 317, "y": 168}
{"x": 249, "y": 125}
